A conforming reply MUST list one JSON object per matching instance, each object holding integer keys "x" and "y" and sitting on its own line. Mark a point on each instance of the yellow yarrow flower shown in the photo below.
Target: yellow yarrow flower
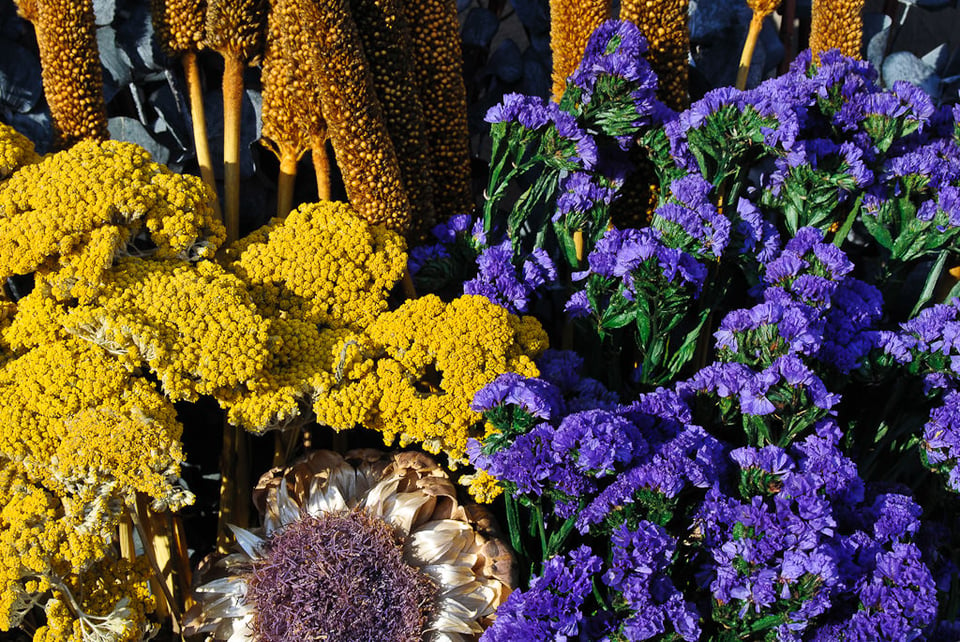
{"x": 16, "y": 150}
{"x": 322, "y": 263}
{"x": 436, "y": 356}
{"x": 76, "y": 210}
{"x": 193, "y": 324}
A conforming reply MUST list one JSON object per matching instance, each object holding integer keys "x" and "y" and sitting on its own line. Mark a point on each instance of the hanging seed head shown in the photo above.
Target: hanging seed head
{"x": 236, "y": 28}
{"x": 179, "y": 24}
{"x": 664, "y": 24}
{"x": 70, "y": 60}
{"x": 763, "y": 7}
{"x": 354, "y": 117}
{"x": 387, "y": 44}
{"x": 292, "y": 117}
{"x": 438, "y": 69}
{"x": 571, "y": 24}
{"x": 837, "y": 24}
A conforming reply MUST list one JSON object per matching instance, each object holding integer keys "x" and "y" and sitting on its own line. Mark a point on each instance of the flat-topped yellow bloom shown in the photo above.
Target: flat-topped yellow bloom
{"x": 193, "y": 324}
{"x": 16, "y": 150}
{"x": 74, "y": 416}
{"x": 322, "y": 263}
{"x": 436, "y": 356}
{"x": 75, "y": 211}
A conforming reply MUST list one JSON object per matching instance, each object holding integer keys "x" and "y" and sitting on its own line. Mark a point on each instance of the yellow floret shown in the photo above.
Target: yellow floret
{"x": 193, "y": 324}
{"x": 75, "y": 211}
{"x": 16, "y": 150}
{"x": 74, "y": 417}
{"x": 323, "y": 264}
{"x": 435, "y": 357}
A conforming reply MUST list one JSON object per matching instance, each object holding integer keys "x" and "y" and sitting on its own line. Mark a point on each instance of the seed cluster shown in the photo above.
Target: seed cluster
{"x": 664, "y": 24}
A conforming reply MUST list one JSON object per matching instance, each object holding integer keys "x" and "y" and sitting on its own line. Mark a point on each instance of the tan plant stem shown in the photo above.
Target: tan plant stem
{"x": 182, "y": 557}
{"x": 756, "y": 24}
{"x": 234, "y": 484}
{"x": 125, "y": 538}
{"x": 232, "y": 106}
{"x": 200, "y": 140}
{"x": 287, "y": 179}
{"x": 321, "y": 165}
{"x": 578, "y": 246}
{"x": 156, "y": 548}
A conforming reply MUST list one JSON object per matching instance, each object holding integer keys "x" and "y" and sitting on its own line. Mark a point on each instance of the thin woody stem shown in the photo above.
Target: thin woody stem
{"x": 232, "y": 106}
{"x": 287, "y": 180}
{"x": 200, "y": 140}
{"x": 756, "y": 24}
{"x": 321, "y": 165}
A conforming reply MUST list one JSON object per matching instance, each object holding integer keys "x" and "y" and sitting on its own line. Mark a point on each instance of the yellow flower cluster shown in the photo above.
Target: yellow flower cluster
{"x": 108, "y": 601}
{"x": 322, "y": 264}
{"x": 75, "y": 417}
{"x": 62, "y": 542}
{"x": 192, "y": 323}
{"x": 74, "y": 211}
{"x": 436, "y": 356}
{"x": 16, "y": 150}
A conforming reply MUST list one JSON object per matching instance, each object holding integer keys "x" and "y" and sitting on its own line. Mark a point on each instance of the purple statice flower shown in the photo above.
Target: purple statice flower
{"x": 770, "y": 459}
{"x": 794, "y": 373}
{"x": 536, "y": 397}
{"x": 638, "y": 571}
{"x": 620, "y": 252}
{"x": 728, "y": 380}
{"x": 528, "y": 462}
{"x": 690, "y": 456}
{"x": 598, "y": 442}
{"x": 808, "y": 268}
{"x": 760, "y": 237}
{"x": 503, "y": 283}
{"x": 769, "y": 329}
{"x": 562, "y": 369}
{"x": 947, "y": 204}
{"x": 895, "y": 517}
{"x": 691, "y": 210}
{"x": 456, "y": 226}
{"x": 551, "y": 607}
{"x": 692, "y": 118}
{"x": 424, "y": 254}
{"x": 937, "y": 162}
{"x": 579, "y": 193}
{"x": 616, "y": 48}
{"x": 819, "y": 457}
{"x": 932, "y": 338}
{"x": 529, "y": 111}
{"x": 941, "y": 438}
{"x": 848, "y": 331}
{"x": 584, "y": 153}
{"x": 897, "y": 599}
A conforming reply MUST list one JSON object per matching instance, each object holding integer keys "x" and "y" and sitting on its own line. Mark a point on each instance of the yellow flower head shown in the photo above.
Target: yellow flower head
{"x": 436, "y": 356}
{"x": 16, "y": 150}
{"x": 323, "y": 264}
{"x": 75, "y": 211}
{"x": 193, "y": 324}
